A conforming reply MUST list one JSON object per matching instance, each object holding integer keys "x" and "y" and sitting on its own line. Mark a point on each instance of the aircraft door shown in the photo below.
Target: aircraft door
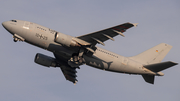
{"x": 125, "y": 61}
{"x": 26, "y": 25}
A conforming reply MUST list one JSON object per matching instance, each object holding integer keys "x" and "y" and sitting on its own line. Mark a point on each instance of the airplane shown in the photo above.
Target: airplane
{"x": 71, "y": 52}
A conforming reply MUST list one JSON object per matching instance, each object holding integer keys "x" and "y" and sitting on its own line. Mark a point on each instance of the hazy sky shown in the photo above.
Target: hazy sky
{"x": 23, "y": 80}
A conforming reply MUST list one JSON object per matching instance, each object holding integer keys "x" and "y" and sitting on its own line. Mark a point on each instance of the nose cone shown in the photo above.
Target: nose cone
{"x": 6, "y": 25}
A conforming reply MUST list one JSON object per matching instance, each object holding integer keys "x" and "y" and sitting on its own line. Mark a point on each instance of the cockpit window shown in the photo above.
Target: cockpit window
{"x": 13, "y": 20}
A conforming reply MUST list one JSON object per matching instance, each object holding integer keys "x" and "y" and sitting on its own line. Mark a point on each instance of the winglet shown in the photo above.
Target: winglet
{"x": 135, "y": 24}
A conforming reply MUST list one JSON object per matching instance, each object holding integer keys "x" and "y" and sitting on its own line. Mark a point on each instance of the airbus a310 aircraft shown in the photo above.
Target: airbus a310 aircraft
{"x": 71, "y": 52}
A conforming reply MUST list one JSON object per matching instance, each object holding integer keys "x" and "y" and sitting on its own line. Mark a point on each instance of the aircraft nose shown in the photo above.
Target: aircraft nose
{"x": 5, "y": 24}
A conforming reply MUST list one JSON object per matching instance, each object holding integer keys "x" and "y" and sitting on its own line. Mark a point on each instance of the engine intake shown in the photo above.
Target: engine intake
{"x": 45, "y": 60}
{"x": 65, "y": 40}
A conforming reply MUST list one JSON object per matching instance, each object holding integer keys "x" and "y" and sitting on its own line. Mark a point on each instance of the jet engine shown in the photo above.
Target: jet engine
{"x": 45, "y": 60}
{"x": 65, "y": 40}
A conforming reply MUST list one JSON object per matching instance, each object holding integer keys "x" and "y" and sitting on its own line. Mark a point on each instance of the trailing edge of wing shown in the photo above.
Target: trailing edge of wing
{"x": 69, "y": 73}
{"x": 104, "y": 35}
{"x": 119, "y": 33}
{"x": 98, "y": 41}
{"x": 90, "y": 49}
{"x": 108, "y": 37}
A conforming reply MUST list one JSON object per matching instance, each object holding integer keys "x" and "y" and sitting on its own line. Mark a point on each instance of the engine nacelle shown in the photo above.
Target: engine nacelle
{"x": 45, "y": 60}
{"x": 65, "y": 40}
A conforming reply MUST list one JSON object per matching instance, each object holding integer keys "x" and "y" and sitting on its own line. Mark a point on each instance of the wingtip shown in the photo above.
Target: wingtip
{"x": 75, "y": 82}
{"x": 175, "y": 63}
{"x": 135, "y": 24}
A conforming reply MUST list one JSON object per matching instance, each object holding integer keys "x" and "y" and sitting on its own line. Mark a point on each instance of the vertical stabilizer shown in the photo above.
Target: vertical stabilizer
{"x": 153, "y": 55}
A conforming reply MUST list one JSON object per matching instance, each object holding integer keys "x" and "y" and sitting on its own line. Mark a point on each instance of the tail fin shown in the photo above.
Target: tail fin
{"x": 151, "y": 60}
{"x": 153, "y": 55}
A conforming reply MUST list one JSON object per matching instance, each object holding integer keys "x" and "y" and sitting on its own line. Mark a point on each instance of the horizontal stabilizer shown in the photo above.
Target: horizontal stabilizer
{"x": 160, "y": 66}
{"x": 148, "y": 78}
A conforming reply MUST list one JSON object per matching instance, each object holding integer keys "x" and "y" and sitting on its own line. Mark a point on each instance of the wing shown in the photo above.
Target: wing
{"x": 69, "y": 73}
{"x": 103, "y": 35}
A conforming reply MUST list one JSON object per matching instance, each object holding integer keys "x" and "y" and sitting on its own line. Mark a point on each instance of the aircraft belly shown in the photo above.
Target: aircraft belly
{"x": 133, "y": 67}
{"x": 95, "y": 62}
{"x": 120, "y": 64}
{"x": 111, "y": 62}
